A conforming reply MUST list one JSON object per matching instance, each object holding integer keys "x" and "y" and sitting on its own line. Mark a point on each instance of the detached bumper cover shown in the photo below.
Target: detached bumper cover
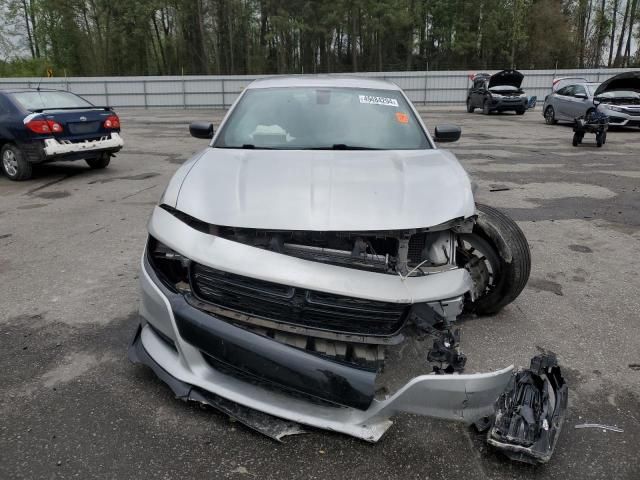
{"x": 262, "y": 374}
{"x": 54, "y": 147}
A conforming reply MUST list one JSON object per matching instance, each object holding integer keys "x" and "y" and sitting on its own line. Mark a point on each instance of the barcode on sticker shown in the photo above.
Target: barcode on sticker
{"x": 372, "y": 100}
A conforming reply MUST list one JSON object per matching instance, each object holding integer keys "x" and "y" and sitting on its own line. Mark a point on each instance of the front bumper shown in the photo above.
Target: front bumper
{"x": 56, "y": 148}
{"x": 506, "y": 104}
{"x": 627, "y": 118}
{"x": 242, "y": 367}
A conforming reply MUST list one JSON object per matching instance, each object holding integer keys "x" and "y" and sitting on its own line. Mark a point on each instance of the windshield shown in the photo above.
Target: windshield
{"x": 591, "y": 88}
{"x": 50, "y": 100}
{"x": 305, "y": 118}
{"x": 504, "y": 88}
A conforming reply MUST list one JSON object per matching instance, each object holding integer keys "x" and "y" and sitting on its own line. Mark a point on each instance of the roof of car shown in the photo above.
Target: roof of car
{"x": 323, "y": 81}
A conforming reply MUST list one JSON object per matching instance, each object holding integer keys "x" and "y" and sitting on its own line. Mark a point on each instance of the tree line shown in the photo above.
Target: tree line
{"x": 162, "y": 37}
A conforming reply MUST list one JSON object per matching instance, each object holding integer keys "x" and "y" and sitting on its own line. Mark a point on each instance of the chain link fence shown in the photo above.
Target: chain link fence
{"x": 199, "y": 91}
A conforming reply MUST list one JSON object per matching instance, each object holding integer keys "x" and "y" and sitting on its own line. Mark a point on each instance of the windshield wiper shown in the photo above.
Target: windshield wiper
{"x": 336, "y": 146}
{"x": 245, "y": 146}
{"x": 342, "y": 146}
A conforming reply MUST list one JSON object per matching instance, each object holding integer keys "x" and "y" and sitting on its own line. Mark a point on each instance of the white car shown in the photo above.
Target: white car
{"x": 320, "y": 230}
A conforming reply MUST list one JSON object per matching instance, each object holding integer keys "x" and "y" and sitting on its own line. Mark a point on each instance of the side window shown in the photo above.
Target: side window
{"x": 477, "y": 84}
{"x": 567, "y": 91}
{"x": 579, "y": 89}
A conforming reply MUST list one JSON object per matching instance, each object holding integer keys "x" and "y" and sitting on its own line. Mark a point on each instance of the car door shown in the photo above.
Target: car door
{"x": 475, "y": 93}
{"x": 563, "y": 103}
{"x": 580, "y": 102}
{"x": 5, "y": 120}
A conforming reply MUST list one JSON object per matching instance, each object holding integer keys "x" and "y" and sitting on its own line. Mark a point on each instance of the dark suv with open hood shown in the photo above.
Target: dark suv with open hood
{"x": 497, "y": 93}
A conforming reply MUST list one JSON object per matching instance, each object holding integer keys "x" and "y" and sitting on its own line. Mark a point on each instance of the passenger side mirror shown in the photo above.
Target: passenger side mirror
{"x": 201, "y": 130}
{"x": 583, "y": 96}
{"x": 447, "y": 133}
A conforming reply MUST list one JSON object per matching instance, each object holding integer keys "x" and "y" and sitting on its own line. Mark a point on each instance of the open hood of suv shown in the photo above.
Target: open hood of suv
{"x": 512, "y": 78}
{"x": 326, "y": 190}
{"x": 628, "y": 81}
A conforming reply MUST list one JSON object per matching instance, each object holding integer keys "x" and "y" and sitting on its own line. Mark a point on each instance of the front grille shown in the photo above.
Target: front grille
{"x": 296, "y": 306}
{"x": 83, "y": 127}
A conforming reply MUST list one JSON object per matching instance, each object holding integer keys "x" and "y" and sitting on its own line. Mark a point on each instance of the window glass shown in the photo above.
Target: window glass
{"x": 568, "y": 90}
{"x": 36, "y": 100}
{"x": 592, "y": 87}
{"x": 322, "y": 118}
{"x": 579, "y": 89}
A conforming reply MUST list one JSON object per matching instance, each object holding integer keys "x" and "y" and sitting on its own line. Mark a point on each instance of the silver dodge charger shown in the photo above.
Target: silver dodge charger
{"x": 321, "y": 231}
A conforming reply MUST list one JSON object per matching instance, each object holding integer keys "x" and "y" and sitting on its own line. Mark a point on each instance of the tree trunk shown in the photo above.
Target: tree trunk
{"x": 354, "y": 50}
{"x": 616, "y": 61}
{"x": 597, "y": 53}
{"x": 632, "y": 19}
{"x": 163, "y": 59}
{"x": 613, "y": 29}
{"x": 29, "y": 34}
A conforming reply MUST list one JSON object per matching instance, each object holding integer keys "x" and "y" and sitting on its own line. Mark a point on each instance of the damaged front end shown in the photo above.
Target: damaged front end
{"x": 335, "y": 330}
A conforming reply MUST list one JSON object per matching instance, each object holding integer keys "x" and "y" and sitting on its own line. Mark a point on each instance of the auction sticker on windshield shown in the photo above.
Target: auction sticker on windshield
{"x": 372, "y": 100}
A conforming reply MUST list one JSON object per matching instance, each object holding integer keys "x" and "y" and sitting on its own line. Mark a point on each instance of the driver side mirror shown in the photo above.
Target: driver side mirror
{"x": 447, "y": 133}
{"x": 583, "y": 96}
{"x": 201, "y": 130}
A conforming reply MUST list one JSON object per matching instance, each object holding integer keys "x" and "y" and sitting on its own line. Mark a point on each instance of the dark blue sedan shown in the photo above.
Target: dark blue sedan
{"x": 38, "y": 125}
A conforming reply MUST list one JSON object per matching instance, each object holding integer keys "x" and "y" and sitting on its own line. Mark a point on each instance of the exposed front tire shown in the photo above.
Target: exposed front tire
{"x": 100, "y": 162}
{"x": 485, "y": 108}
{"x": 14, "y": 165}
{"x": 550, "y": 116}
{"x": 498, "y": 258}
{"x": 470, "y": 107}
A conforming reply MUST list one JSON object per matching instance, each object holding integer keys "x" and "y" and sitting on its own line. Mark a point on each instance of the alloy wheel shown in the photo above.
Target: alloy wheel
{"x": 10, "y": 163}
{"x": 549, "y": 115}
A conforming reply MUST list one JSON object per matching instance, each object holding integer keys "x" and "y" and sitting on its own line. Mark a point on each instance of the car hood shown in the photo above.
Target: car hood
{"x": 512, "y": 78}
{"x": 324, "y": 190}
{"x": 623, "y": 81}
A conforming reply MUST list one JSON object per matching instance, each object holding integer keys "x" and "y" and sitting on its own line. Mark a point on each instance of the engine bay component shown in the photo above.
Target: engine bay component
{"x": 530, "y": 412}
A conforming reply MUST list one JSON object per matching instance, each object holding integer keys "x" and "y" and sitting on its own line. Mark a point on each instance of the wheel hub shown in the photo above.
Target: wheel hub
{"x": 480, "y": 276}
{"x": 10, "y": 163}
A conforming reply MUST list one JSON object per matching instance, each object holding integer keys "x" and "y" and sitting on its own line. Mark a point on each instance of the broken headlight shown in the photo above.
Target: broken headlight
{"x": 171, "y": 267}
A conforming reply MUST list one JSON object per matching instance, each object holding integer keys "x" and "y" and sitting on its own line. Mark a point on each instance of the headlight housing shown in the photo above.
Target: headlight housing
{"x": 171, "y": 267}
{"x": 613, "y": 107}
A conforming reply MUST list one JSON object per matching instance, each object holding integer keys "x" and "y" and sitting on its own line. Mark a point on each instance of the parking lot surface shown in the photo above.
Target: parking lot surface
{"x": 72, "y": 406}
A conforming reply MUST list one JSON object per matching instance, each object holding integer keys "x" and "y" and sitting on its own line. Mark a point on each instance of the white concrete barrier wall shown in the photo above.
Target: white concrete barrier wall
{"x": 198, "y": 91}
